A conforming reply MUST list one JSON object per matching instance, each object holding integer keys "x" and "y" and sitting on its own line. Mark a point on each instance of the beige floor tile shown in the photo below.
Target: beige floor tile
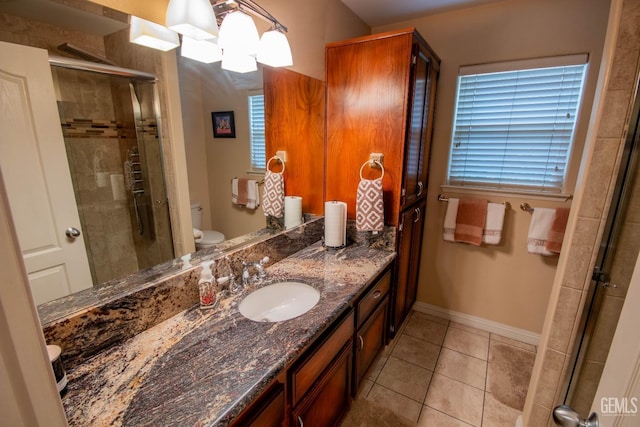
{"x": 497, "y": 414}
{"x": 429, "y": 417}
{"x": 514, "y": 343}
{"x": 416, "y": 351}
{"x": 365, "y": 388}
{"x": 426, "y": 329}
{"x": 461, "y": 367}
{"x": 373, "y": 373}
{"x": 456, "y": 399}
{"x": 421, "y": 315}
{"x": 467, "y": 343}
{"x": 398, "y": 403}
{"x": 470, "y": 329}
{"x": 405, "y": 378}
{"x": 509, "y": 373}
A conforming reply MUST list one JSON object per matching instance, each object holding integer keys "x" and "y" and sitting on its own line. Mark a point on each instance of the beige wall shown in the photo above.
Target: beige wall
{"x": 504, "y": 284}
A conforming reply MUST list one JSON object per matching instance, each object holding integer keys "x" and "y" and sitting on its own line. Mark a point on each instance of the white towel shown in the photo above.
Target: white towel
{"x": 253, "y": 194}
{"x": 197, "y": 235}
{"x": 492, "y": 233}
{"x": 450, "y": 220}
{"x": 541, "y": 222}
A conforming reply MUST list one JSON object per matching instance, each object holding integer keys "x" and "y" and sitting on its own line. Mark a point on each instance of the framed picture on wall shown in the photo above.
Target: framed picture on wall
{"x": 224, "y": 125}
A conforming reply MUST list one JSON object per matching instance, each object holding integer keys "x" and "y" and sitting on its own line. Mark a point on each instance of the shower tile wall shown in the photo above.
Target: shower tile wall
{"x": 85, "y": 104}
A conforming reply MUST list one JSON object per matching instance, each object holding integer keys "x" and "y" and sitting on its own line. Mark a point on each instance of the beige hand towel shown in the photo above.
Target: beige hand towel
{"x": 492, "y": 233}
{"x": 273, "y": 194}
{"x": 472, "y": 215}
{"x": 239, "y": 190}
{"x": 556, "y": 234}
{"x": 370, "y": 205}
{"x": 541, "y": 221}
{"x": 450, "y": 220}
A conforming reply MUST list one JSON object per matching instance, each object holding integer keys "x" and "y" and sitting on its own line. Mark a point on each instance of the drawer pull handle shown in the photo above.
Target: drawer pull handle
{"x": 300, "y": 422}
{"x": 376, "y": 294}
{"x": 361, "y": 342}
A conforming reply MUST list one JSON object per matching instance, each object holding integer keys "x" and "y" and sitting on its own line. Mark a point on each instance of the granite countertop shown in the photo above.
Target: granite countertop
{"x": 203, "y": 367}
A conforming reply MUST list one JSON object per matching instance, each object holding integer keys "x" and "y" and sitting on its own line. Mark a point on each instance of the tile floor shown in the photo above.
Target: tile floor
{"x": 444, "y": 374}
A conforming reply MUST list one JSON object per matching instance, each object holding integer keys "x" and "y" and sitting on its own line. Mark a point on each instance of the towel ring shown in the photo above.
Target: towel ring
{"x": 280, "y": 160}
{"x": 369, "y": 162}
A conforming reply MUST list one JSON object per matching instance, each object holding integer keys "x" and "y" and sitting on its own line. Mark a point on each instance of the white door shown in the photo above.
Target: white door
{"x": 34, "y": 165}
{"x": 617, "y": 400}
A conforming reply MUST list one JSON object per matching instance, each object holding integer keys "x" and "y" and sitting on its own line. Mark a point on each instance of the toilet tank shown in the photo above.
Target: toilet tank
{"x": 196, "y": 215}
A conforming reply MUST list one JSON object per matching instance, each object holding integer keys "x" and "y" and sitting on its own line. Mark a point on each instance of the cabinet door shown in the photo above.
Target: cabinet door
{"x": 407, "y": 262}
{"x": 414, "y": 259}
{"x": 329, "y": 400}
{"x": 370, "y": 340}
{"x": 413, "y": 184}
{"x": 267, "y": 411}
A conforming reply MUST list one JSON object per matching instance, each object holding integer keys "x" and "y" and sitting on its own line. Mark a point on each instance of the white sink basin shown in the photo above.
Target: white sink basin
{"x": 279, "y": 301}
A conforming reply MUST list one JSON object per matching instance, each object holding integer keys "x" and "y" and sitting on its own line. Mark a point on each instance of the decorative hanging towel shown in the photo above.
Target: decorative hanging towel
{"x": 449, "y": 228}
{"x": 541, "y": 222}
{"x": 370, "y": 202}
{"x": 492, "y": 233}
{"x": 556, "y": 234}
{"x": 273, "y": 195}
{"x": 472, "y": 215}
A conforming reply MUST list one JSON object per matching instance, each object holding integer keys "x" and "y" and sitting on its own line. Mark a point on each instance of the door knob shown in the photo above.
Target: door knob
{"x": 72, "y": 233}
{"x": 565, "y": 416}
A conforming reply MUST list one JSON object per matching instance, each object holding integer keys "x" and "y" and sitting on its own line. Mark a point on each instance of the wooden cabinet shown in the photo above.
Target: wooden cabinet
{"x": 266, "y": 411}
{"x": 408, "y": 261}
{"x": 328, "y": 402}
{"x": 380, "y": 99}
{"x": 371, "y": 327}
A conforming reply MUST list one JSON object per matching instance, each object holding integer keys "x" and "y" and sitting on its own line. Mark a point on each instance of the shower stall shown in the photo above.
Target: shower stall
{"x": 109, "y": 118}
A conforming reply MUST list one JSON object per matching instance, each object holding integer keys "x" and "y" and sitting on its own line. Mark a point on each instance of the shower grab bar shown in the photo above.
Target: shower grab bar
{"x": 442, "y": 198}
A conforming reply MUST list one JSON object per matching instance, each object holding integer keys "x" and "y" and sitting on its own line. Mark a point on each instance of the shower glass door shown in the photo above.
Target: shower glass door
{"x": 611, "y": 277}
{"x": 114, "y": 151}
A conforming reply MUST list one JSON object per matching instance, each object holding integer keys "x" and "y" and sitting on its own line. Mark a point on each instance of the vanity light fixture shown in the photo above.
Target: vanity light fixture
{"x": 150, "y": 34}
{"x": 236, "y": 44}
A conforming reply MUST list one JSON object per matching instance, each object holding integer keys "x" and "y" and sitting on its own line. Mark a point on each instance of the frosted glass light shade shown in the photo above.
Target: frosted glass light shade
{"x": 192, "y": 18}
{"x": 274, "y": 49}
{"x": 150, "y": 34}
{"x": 201, "y": 50}
{"x": 238, "y": 35}
{"x": 238, "y": 63}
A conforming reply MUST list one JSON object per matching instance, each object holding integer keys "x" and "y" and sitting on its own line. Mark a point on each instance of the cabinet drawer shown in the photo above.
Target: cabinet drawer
{"x": 329, "y": 400}
{"x": 304, "y": 374}
{"x": 369, "y": 302}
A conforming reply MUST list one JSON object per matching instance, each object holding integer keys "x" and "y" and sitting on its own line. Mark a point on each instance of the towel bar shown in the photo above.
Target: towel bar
{"x": 526, "y": 207}
{"x": 442, "y": 198}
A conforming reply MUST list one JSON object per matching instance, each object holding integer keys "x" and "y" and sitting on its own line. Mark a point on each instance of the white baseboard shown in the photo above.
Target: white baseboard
{"x": 479, "y": 323}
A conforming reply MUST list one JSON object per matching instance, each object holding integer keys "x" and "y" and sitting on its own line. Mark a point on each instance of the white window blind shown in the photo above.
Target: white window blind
{"x": 514, "y": 129}
{"x": 257, "y": 131}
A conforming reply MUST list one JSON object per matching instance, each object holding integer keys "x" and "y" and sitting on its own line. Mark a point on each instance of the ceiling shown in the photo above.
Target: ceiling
{"x": 382, "y": 12}
{"x": 373, "y": 12}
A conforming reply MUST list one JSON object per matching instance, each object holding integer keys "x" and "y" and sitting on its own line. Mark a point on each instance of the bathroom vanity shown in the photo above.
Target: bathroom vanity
{"x": 215, "y": 367}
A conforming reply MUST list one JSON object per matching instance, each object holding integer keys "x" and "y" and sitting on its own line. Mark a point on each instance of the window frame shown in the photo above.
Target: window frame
{"x": 476, "y": 186}
{"x": 252, "y": 143}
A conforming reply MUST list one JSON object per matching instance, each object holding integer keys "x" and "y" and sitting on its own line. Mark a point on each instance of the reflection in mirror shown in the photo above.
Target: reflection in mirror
{"x": 123, "y": 227}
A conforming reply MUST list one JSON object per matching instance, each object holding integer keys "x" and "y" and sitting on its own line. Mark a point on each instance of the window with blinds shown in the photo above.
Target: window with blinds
{"x": 257, "y": 131}
{"x": 513, "y": 129}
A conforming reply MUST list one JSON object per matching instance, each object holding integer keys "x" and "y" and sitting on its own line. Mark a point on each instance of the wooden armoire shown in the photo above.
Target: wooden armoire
{"x": 380, "y": 99}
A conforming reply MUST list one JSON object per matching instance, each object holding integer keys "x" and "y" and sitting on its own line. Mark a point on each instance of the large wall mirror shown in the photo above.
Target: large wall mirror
{"x": 111, "y": 138}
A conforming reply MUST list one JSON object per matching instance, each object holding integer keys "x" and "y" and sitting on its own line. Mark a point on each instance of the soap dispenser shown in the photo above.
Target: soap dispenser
{"x": 207, "y": 286}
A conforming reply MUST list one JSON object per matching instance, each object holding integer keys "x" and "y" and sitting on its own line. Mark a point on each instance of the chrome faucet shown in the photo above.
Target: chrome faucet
{"x": 247, "y": 278}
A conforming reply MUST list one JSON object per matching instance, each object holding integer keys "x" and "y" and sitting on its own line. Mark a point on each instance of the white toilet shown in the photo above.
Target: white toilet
{"x": 210, "y": 237}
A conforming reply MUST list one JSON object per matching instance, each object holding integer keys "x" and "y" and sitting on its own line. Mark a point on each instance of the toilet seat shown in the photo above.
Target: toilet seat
{"x": 210, "y": 237}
